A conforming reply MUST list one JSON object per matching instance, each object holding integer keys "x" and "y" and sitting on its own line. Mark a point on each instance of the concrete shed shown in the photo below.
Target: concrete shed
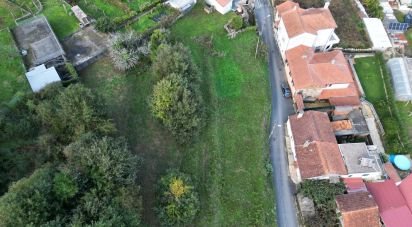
{"x": 40, "y": 77}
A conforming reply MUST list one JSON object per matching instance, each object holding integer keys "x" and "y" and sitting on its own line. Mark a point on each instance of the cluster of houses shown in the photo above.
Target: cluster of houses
{"x": 330, "y": 137}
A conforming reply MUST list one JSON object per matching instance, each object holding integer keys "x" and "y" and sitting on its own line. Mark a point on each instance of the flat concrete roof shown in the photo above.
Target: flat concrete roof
{"x": 37, "y": 37}
{"x": 41, "y": 76}
{"x": 353, "y": 153}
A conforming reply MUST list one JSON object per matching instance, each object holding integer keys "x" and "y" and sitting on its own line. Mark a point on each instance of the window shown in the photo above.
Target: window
{"x": 364, "y": 175}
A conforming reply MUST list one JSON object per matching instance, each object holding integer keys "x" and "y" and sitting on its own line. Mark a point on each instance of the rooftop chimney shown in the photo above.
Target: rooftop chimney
{"x": 327, "y": 3}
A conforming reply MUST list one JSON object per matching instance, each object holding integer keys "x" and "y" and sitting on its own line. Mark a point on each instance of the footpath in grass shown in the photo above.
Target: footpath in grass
{"x": 12, "y": 79}
{"x": 393, "y": 115}
{"x": 228, "y": 161}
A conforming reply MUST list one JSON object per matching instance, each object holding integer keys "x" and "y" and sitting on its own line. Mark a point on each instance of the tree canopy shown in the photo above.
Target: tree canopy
{"x": 95, "y": 186}
{"x": 178, "y": 202}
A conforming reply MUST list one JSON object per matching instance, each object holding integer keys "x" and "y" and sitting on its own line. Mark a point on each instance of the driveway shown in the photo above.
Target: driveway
{"x": 280, "y": 110}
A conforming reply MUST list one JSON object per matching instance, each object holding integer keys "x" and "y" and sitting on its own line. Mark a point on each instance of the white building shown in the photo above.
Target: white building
{"x": 40, "y": 76}
{"x": 222, "y": 6}
{"x": 377, "y": 34}
{"x": 181, "y": 5}
{"x": 314, "y": 27}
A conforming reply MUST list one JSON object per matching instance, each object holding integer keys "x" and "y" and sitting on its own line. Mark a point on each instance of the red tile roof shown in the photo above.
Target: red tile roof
{"x": 317, "y": 151}
{"x": 406, "y": 189}
{"x": 386, "y": 195}
{"x": 358, "y": 210}
{"x": 312, "y": 126}
{"x": 392, "y": 204}
{"x": 397, "y": 217}
{"x": 300, "y": 106}
{"x": 354, "y": 184}
{"x": 298, "y": 21}
{"x": 392, "y": 173}
{"x": 318, "y": 70}
{"x": 319, "y": 159}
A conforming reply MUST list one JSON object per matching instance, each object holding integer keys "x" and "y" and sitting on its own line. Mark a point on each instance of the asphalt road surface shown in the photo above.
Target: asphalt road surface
{"x": 281, "y": 109}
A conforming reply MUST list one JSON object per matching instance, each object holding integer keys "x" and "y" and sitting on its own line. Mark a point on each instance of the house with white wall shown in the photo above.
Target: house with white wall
{"x": 222, "y": 6}
{"x": 322, "y": 76}
{"x": 314, "y": 27}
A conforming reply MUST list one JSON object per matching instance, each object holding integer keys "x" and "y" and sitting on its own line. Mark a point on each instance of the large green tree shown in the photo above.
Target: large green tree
{"x": 178, "y": 200}
{"x": 95, "y": 186}
{"x": 177, "y": 106}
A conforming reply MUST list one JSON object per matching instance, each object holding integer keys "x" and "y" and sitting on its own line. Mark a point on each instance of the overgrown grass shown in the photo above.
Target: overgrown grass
{"x": 12, "y": 78}
{"x": 228, "y": 160}
{"x": 60, "y": 17}
{"x": 8, "y": 13}
{"x": 351, "y": 29}
{"x": 99, "y": 8}
{"x": 138, "y": 5}
{"x": 393, "y": 114}
{"x": 29, "y": 5}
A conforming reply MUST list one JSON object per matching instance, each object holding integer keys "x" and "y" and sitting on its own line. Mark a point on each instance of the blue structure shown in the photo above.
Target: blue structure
{"x": 408, "y": 18}
{"x": 400, "y": 161}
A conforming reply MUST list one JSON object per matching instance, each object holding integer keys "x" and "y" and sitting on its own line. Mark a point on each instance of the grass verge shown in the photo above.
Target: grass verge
{"x": 12, "y": 79}
{"x": 228, "y": 161}
{"x": 393, "y": 115}
{"x": 60, "y": 17}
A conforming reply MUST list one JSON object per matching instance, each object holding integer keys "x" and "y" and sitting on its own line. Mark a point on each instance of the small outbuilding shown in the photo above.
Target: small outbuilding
{"x": 81, "y": 16}
{"x": 400, "y": 79}
{"x": 377, "y": 34}
{"x": 181, "y": 5}
{"x": 40, "y": 76}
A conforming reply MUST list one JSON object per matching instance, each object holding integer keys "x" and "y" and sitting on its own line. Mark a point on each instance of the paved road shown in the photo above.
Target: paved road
{"x": 281, "y": 108}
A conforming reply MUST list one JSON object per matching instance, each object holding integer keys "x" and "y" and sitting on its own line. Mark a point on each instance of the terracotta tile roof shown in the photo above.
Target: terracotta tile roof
{"x": 392, "y": 173}
{"x": 406, "y": 189}
{"x": 386, "y": 195}
{"x": 355, "y": 184}
{"x": 223, "y": 2}
{"x": 312, "y": 126}
{"x": 300, "y": 106}
{"x": 317, "y": 70}
{"x": 298, "y": 21}
{"x": 286, "y": 6}
{"x": 317, "y": 151}
{"x": 341, "y": 125}
{"x": 350, "y": 91}
{"x": 358, "y": 210}
{"x": 345, "y": 101}
{"x": 319, "y": 159}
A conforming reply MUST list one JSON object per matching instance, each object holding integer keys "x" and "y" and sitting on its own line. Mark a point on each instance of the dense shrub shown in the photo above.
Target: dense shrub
{"x": 178, "y": 201}
{"x": 158, "y": 37}
{"x": 126, "y": 49}
{"x": 96, "y": 186}
{"x": 323, "y": 195}
{"x": 104, "y": 24}
{"x": 178, "y": 106}
{"x": 236, "y": 22}
{"x": 373, "y": 8}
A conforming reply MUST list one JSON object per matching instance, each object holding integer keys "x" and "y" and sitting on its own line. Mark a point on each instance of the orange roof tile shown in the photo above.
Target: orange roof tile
{"x": 354, "y": 184}
{"x": 311, "y": 70}
{"x": 300, "y": 106}
{"x": 358, "y": 210}
{"x": 298, "y": 20}
{"x": 312, "y": 126}
{"x": 341, "y": 125}
{"x": 317, "y": 150}
{"x": 319, "y": 159}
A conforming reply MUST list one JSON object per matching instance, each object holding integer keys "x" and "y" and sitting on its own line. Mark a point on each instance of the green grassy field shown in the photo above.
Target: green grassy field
{"x": 99, "y": 8}
{"x": 12, "y": 78}
{"x": 228, "y": 161}
{"x": 393, "y": 115}
{"x": 60, "y": 17}
{"x": 138, "y": 5}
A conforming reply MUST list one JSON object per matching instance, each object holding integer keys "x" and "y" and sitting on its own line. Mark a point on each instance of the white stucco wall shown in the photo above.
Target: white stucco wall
{"x": 219, "y": 8}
